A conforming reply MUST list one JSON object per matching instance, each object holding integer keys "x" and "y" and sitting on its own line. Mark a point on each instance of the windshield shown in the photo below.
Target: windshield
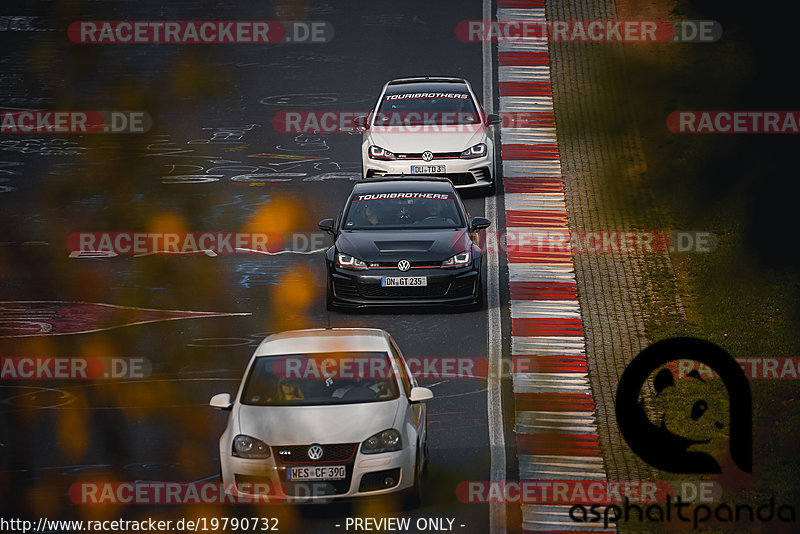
{"x": 387, "y": 211}
{"x": 320, "y": 379}
{"x": 414, "y": 109}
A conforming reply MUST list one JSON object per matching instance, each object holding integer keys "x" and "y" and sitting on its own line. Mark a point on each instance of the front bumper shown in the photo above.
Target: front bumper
{"x": 367, "y": 474}
{"x": 446, "y": 287}
{"x": 464, "y": 173}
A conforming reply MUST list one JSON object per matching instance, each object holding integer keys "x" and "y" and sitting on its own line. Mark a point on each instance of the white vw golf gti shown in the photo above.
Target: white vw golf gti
{"x": 430, "y": 126}
{"x": 324, "y": 414}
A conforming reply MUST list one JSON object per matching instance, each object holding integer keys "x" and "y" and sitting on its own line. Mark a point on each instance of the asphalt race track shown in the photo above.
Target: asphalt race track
{"x": 214, "y": 160}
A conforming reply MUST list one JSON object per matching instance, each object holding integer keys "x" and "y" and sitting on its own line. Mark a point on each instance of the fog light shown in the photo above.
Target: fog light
{"x": 380, "y": 480}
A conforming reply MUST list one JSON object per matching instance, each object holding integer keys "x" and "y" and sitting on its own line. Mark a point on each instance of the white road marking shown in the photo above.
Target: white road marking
{"x": 497, "y": 445}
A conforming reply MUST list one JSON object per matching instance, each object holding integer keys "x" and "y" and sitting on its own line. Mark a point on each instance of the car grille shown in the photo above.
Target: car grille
{"x": 249, "y": 484}
{"x": 315, "y": 488}
{"x": 345, "y": 288}
{"x": 457, "y": 178}
{"x": 298, "y": 454}
{"x": 462, "y": 288}
{"x": 436, "y": 155}
{"x": 481, "y": 174}
{"x": 461, "y": 178}
{"x": 378, "y": 291}
{"x": 414, "y": 264}
{"x": 350, "y": 289}
{"x": 292, "y": 455}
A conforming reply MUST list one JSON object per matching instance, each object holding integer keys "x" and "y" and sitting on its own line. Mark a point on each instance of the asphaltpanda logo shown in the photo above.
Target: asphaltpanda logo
{"x": 692, "y": 412}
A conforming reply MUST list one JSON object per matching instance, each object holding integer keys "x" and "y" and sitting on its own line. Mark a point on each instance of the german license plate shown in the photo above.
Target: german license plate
{"x": 427, "y": 169}
{"x": 404, "y": 281}
{"x": 326, "y": 472}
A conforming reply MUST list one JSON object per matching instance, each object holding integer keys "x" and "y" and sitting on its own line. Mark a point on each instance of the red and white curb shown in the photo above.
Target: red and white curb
{"x": 555, "y": 429}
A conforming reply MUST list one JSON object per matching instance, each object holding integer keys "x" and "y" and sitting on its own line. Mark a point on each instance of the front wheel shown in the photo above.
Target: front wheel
{"x": 329, "y": 304}
{"x": 480, "y": 301}
{"x": 413, "y": 496}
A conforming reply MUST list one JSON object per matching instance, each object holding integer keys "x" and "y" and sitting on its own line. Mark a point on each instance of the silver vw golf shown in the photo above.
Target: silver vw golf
{"x": 324, "y": 414}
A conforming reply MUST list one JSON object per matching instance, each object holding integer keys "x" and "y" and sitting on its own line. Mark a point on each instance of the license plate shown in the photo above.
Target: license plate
{"x": 427, "y": 169}
{"x": 326, "y": 472}
{"x": 404, "y": 281}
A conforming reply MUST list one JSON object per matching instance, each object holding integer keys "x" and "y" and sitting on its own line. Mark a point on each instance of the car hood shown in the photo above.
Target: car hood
{"x": 301, "y": 425}
{"x": 401, "y": 139}
{"x": 395, "y": 245}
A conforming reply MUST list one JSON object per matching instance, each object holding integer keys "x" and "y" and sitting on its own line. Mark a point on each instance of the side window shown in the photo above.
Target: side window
{"x": 345, "y": 215}
{"x": 405, "y": 377}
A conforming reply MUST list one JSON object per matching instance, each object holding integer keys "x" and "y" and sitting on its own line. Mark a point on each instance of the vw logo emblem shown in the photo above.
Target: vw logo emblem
{"x": 315, "y": 452}
{"x": 427, "y": 155}
{"x": 404, "y": 265}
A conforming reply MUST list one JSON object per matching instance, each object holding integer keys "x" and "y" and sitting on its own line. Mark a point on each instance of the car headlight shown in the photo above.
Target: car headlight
{"x": 349, "y": 262}
{"x": 459, "y": 260}
{"x": 477, "y": 151}
{"x": 386, "y": 441}
{"x": 249, "y": 447}
{"x": 376, "y": 152}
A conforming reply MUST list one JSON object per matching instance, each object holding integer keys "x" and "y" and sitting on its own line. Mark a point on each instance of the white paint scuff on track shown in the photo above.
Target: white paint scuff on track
{"x": 497, "y": 444}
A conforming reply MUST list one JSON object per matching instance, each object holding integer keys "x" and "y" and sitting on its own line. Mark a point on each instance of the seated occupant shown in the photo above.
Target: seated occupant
{"x": 370, "y": 217}
{"x": 290, "y": 390}
{"x": 434, "y": 212}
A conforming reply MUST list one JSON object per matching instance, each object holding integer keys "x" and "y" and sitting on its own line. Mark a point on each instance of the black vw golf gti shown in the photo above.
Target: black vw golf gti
{"x": 401, "y": 241}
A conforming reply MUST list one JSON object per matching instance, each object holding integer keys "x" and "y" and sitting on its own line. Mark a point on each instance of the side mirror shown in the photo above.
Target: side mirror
{"x": 493, "y": 118}
{"x": 479, "y": 223}
{"x": 221, "y": 401}
{"x": 420, "y": 394}
{"x": 326, "y": 225}
{"x": 361, "y": 122}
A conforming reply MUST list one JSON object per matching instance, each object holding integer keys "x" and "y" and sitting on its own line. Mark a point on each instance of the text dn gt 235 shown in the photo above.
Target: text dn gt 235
{"x": 325, "y": 414}
{"x": 430, "y": 126}
{"x": 404, "y": 242}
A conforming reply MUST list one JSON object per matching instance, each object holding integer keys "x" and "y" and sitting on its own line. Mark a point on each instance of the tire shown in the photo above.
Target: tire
{"x": 480, "y": 303}
{"x": 414, "y": 495}
{"x": 329, "y": 304}
{"x": 427, "y": 460}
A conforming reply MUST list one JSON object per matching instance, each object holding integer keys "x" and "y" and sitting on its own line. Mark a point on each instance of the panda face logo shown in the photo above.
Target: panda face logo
{"x": 692, "y": 407}
{"x": 695, "y": 416}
